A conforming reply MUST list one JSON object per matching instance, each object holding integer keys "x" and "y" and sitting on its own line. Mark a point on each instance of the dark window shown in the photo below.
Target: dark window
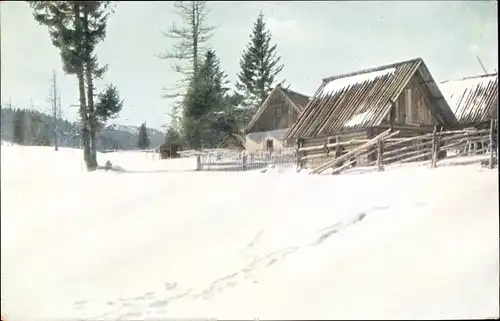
{"x": 269, "y": 144}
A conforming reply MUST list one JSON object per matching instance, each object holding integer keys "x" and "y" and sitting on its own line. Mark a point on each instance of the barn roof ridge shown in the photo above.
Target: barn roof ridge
{"x": 372, "y": 69}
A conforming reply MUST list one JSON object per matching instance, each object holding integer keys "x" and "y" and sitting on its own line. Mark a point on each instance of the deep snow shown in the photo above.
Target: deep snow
{"x": 164, "y": 241}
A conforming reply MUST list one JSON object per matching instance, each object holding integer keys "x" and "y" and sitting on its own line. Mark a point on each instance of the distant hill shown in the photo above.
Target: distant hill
{"x": 36, "y": 124}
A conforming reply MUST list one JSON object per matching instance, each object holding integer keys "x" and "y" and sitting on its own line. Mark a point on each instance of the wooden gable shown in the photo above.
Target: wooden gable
{"x": 279, "y": 114}
{"x": 278, "y": 111}
{"x": 232, "y": 141}
{"x": 415, "y": 105}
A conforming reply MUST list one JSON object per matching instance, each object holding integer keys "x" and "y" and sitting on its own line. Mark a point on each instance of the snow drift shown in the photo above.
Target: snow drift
{"x": 161, "y": 240}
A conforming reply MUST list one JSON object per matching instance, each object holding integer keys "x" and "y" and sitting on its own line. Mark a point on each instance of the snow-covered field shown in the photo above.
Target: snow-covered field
{"x": 164, "y": 241}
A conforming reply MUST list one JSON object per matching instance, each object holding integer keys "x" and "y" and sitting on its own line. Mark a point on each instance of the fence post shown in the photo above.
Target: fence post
{"x": 198, "y": 162}
{"x": 492, "y": 147}
{"x": 380, "y": 165}
{"x": 495, "y": 140}
{"x": 245, "y": 159}
{"x": 435, "y": 148}
{"x": 299, "y": 146}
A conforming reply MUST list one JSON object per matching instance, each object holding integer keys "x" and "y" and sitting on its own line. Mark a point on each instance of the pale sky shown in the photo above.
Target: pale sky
{"x": 315, "y": 40}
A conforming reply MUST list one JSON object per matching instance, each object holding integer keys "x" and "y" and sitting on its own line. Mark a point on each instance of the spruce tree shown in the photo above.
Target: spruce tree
{"x": 18, "y": 134}
{"x": 64, "y": 21}
{"x": 108, "y": 106}
{"x": 143, "y": 139}
{"x": 259, "y": 66}
{"x": 206, "y": 102}
{"x": 172, "y": 136}
{"x": 221, "y": 116}
{"x": 76, "y": 27}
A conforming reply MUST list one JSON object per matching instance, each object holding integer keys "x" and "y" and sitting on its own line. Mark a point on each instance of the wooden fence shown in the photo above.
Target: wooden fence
{"x": 384, "y": 149}
{"x": 225, "y": 160}
{"x": 432, "y": 147}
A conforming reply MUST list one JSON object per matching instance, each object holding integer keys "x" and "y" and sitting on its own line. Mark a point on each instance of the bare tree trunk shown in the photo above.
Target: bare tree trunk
{"x": 195, "y": 29}
{"x": 90, "y": 90}
{"x": 83, "y": 104}
{"x": 85, "y": 122}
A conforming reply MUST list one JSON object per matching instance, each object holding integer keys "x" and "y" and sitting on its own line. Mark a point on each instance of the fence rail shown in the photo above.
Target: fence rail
{"x": 432, "y": 147}
{"x": 384, "y": 149}
{"x": 227, "y": 160}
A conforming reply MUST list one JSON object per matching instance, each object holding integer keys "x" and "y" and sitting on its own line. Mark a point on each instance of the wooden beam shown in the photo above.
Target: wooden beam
{"x": 435, "y": 147}
{"x": 392, "y": 116}
{"x": 355, "y": 151}
{"x": 380, "y": 165}
{"x": 492, "y": 125}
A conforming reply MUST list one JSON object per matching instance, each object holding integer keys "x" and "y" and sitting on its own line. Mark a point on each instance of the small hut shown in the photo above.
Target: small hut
{"x": 168, "y": 150}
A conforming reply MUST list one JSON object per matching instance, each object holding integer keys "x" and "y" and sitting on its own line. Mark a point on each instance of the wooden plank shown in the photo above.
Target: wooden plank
{"x": 468, "y": 131}
{"x": 405, "y": 140}
{"x": 314, "y": 156}
{"x": 404, "y": 148}
{"x": 409, "y": 159}
{"x": 490, "y": 165}
{"x": 406, "y": 154}
{"x": 350, "y": 161}
{"x": 380, "y": 156}
{"x": 332, "y": 145}
{"x": 462, "y": 141}
{"x": 348, "y": 155}
{"x": 457, "y": 136}
{"x": 435, "y": 147}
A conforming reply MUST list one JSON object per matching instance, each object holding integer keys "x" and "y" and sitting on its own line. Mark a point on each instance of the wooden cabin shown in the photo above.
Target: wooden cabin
{"x": 168, "y": 150}
{"x": 402, "y": 96}
{"x": 473, "y": 100}
{"x": 270, "y": 122}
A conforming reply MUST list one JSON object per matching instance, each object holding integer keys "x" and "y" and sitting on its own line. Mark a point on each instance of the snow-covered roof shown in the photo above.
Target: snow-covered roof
{"x": 362, "y": 99}
{"x": 472, "y": 99}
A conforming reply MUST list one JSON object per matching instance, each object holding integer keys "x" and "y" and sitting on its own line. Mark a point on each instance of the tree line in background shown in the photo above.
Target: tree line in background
{"x": 35, "y": 128}
{"x": 206, "y": 109}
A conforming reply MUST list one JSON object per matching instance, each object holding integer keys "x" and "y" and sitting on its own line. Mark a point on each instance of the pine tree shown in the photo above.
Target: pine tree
{"x": 259, "y": 67}
{"x": 172, "y": 136}
{"x": 143, "y": 139}
{"x": 187, "y": 52}
{"x": 108, "y": 106}
{"x": 64, "y": 21}
{"x": 220, "y": 118}
{"x": 205, "y": 102}
{"x": 19, "y": 128}
{"x": 76, "y": 27}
